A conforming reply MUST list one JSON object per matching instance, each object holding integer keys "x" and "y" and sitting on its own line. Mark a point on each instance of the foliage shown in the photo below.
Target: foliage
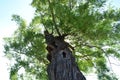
{"x": 91, "y": 28}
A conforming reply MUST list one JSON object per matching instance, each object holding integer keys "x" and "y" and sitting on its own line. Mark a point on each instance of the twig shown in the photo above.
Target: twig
{"x": 70, "y": 5}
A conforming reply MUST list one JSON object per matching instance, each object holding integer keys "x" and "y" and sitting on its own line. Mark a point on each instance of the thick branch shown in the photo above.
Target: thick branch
{"x": 53, "y": 18}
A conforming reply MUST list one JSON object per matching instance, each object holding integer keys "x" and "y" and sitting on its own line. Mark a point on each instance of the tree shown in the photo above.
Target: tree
{"x": 90, "y": 29}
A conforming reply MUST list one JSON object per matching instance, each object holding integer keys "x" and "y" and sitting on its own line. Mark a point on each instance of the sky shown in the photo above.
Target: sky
{"x": 7, "y": 28}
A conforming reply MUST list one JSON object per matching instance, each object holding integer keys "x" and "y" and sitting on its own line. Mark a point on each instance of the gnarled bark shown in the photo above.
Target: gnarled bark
{"x": 62, "y": 63}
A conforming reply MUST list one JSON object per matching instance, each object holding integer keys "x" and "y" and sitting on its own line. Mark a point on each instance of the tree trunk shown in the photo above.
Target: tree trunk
{"x": 62, "y": 64}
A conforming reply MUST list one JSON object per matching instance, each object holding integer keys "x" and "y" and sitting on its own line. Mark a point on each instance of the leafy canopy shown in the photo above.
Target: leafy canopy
{"x": 92, "y": 30}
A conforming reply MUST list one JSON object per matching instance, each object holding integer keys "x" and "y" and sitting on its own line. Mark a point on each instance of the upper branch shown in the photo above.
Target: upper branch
{"x": 53, "y": 18}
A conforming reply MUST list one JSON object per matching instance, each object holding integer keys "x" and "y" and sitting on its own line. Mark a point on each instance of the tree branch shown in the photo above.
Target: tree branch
{"x": 53, "y": 18}
{"x": 91, "y": 46}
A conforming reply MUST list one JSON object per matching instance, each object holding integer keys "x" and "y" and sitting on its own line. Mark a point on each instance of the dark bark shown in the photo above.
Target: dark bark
{"x": 62, "y": 63}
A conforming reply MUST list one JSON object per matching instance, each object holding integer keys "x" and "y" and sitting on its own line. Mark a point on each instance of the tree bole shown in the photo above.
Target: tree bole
{"x": 62, "y": 64}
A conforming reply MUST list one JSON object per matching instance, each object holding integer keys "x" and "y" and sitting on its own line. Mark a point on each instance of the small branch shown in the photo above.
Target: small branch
{"x": 53, "y": 18}
{"x": 109, "y": 62}
{"x": 115, "y": 64}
